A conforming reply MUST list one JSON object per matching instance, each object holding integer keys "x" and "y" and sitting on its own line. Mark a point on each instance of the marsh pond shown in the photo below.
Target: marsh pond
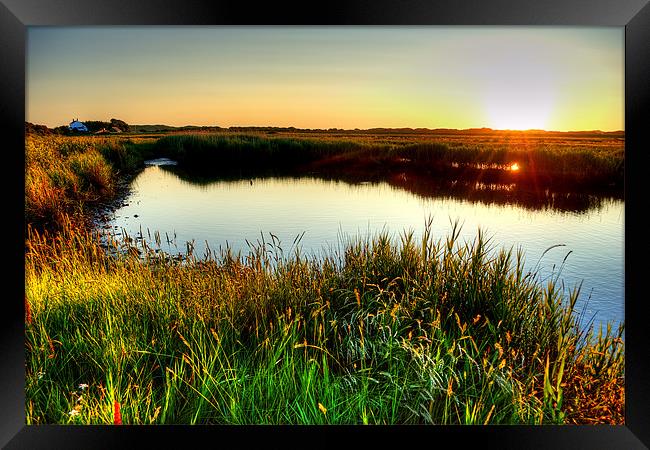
{"x": 577, "y": 238}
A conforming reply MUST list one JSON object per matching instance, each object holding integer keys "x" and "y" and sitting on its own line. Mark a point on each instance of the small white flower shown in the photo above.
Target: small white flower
{"x": 74, "y": 412}
{"x": 83, "y": 386}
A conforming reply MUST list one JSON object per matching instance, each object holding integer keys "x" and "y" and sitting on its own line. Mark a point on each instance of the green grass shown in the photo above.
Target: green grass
{"x": 415, "y": 331}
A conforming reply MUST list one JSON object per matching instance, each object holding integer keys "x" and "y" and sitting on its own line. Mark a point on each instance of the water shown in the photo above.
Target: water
{"x": 231, "y": 212}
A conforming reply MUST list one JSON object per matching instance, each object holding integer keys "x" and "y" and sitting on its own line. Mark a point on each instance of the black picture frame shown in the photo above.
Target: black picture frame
{"x": 634, "y": 15}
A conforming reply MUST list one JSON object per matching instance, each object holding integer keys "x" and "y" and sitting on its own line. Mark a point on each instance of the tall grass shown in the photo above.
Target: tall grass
{"x": 62, "y": 174}
{"x": 247, "y": 152}
{"x": 408, "y": 331}
{"x": 540, "y": 163}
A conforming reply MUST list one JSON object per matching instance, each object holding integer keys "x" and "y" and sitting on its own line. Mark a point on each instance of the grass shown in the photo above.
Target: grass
{"x": 63, "y": 175}
{"x": 383, "y": 332}
{"x": 380, "y": 332}
{"x": 541, "y": 164}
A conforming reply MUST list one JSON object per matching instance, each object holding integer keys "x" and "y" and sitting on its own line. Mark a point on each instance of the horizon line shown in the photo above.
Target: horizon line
{"x": 352, "y": 129}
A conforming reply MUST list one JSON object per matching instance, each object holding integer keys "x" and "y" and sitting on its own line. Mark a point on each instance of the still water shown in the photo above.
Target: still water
{"x": 326, "y": 213}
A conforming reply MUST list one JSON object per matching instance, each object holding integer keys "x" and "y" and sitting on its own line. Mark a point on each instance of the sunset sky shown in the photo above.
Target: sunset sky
{"x": 553, "y": 78}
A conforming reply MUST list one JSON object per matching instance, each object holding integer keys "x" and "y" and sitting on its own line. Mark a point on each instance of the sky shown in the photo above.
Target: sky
{"x": 553, "y": 78}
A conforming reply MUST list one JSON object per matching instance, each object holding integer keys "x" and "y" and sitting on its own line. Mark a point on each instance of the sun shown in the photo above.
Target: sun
{"x": 519, "y": 111}
{"x": 519, "y": 92}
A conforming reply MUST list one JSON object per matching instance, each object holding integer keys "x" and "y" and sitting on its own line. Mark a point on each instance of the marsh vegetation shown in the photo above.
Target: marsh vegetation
{"x": 413, "y": 329}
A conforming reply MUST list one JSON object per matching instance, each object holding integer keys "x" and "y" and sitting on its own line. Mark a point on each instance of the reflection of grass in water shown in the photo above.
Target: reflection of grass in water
{"x": 412, "y": 332}
{"x": 422, "y": 185}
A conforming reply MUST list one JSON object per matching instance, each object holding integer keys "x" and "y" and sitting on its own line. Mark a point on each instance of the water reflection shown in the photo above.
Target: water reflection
{"x": 481, "y": 189}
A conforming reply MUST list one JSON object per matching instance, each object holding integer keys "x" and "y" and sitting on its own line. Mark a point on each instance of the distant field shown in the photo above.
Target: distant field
{"x": 613, "y": 139}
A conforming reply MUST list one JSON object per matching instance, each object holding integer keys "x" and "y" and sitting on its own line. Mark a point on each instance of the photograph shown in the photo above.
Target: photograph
{"x": 324, "y": 225}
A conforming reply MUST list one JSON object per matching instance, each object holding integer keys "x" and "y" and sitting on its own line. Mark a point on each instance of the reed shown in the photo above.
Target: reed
{"x": 382, "y": 331}
{"x": 542, "y": 163}
{"x": 65, "y": 174}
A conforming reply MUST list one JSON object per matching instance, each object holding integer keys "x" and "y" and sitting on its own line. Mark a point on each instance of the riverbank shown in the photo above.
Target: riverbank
{"x": 72, "y": 178}
{"x": 418, "y": 332}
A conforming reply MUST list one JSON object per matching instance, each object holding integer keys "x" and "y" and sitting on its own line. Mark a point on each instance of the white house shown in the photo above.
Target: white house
{"x": 75, "y": 125}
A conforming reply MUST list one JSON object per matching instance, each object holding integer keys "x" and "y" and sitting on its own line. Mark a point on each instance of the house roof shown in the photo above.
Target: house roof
{"x": 75, "y": 124}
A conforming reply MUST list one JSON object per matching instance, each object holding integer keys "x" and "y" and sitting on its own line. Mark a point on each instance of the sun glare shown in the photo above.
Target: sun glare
{"x": 514, "y": 167}
{"x": 522, "y": 113}
{"x": 503, "y": 120}
{"x": 520, "y": 91}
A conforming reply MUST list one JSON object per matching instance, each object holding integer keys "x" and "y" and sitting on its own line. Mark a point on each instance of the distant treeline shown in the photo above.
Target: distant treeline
{"x": 95, "y": 126}
{"x": 115, "y": 124}
{"x": 432, "y": 132}
{"x": 380, "y": 131}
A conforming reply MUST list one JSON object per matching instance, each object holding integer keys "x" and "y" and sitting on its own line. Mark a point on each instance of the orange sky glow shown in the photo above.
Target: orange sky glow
{"x": 553, "y": 78}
